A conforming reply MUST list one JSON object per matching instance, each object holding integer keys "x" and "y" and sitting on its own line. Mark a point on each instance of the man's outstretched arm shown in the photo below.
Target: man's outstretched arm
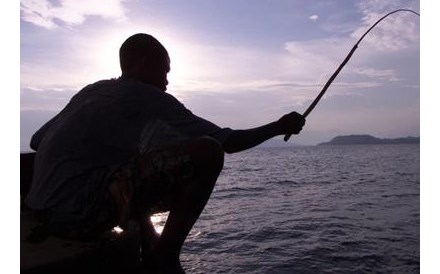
{"x": 240, "y": 140}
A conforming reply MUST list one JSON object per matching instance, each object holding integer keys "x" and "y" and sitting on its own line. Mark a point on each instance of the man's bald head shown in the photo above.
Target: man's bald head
{"x": 143, "y": 57}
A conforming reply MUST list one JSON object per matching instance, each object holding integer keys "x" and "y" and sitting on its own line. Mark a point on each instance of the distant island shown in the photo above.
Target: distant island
{"x": 365, "y": 139}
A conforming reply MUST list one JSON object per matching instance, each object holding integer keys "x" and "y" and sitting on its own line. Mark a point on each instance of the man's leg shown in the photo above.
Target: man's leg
{"x": 149, "y": 236}
{"x": 207, "y": 158}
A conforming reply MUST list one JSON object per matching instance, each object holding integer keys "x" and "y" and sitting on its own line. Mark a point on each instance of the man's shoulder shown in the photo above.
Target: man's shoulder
{"x": 134, "y": 92}
{"x": 124, "y": 87}
{"x": 100, "y": 83}
{"x": 137, "y": 87}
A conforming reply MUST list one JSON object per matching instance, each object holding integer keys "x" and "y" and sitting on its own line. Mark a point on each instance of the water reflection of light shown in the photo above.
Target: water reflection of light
{"x": 117, "y": 230}
{"x": 158, "y": 220}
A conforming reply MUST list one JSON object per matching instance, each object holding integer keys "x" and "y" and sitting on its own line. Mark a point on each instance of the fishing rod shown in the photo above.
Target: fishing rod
{"x": 332, "y": 78}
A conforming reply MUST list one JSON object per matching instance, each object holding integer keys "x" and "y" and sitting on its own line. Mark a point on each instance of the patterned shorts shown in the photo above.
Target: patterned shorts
{"x": 147, "y": 184}
{"x": 150, "y": 183}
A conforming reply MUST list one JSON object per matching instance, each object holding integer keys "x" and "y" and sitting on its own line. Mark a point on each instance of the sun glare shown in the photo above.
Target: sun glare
{"x": 181, "y": 67}
{"x": 117, "y": 230}
{"x": 159, "y": 221}
{"x": 107, "y": 55}
{"x": 177, "y": 74}
{"x": 105, "y": 58}
{"x": 185, "y": 64}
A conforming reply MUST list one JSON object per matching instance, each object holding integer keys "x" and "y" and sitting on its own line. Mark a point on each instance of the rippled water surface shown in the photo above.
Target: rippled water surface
{"x": 319, "y": 209}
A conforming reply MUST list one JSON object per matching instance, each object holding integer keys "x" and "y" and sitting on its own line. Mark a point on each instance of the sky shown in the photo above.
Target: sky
{"x": 239, "y": 64}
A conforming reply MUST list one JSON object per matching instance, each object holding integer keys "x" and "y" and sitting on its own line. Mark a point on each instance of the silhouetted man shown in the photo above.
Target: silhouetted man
{"x": 124, "y": 149}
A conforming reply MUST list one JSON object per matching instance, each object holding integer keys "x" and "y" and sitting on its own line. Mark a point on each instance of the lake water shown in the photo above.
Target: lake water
{"x": 317, "y": 209}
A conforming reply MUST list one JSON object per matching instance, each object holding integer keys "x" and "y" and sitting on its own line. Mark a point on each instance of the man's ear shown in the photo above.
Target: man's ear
{"x": 145, "y": 64}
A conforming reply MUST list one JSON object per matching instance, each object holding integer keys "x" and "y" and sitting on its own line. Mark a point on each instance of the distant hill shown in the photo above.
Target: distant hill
{"x": 369, "y": 140}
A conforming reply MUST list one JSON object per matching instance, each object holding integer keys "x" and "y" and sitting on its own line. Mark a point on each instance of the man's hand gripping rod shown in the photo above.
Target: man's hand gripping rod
{"x": 330, "y": 80}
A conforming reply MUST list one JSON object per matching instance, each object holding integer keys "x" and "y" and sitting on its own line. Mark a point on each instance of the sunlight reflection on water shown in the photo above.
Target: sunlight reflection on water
{"x": 159, "y": 220}
{"x": 117, "y": 230}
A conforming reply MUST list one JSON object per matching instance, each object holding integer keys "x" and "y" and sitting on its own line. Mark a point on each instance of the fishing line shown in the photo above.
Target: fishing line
{"x": 332, "y": 78}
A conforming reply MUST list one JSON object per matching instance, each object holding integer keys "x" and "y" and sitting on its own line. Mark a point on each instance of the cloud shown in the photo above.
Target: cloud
{"x": 313, "y": 61}
{"x": 314, "y": 17}
{"x": 381, "y": 58}
{"x": 295, "y": 72}
{"x": 70, "y": 12}
{"x": 398, "y": 31}
{"x": 385, "y": 74}
{"x": 51, "y": 99}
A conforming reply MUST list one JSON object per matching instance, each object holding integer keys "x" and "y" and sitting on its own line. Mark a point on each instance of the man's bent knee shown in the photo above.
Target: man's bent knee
{"x": 207, "y": 154}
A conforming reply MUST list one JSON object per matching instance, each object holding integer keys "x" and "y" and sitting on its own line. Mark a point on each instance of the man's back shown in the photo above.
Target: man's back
{"x": 98, "y": 129}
